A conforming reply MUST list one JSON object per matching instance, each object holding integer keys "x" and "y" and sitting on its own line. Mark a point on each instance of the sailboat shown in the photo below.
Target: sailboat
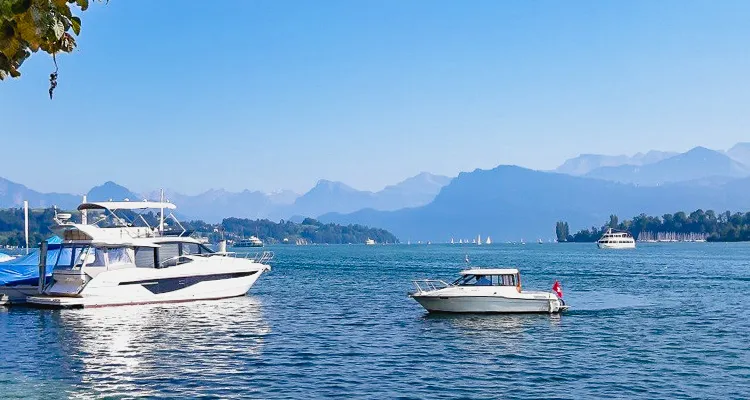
{"x": 540, "y": 241}
{"x": 451, "y": 240}
{"x": 488, "y": 241}
{"x": 479, "y": 239}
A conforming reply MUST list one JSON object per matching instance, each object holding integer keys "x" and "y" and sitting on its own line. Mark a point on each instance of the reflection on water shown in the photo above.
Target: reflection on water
{"x": 135, "y": 350}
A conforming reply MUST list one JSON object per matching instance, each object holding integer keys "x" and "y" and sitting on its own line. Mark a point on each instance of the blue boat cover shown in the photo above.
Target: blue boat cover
{"x": 24, "y": 270}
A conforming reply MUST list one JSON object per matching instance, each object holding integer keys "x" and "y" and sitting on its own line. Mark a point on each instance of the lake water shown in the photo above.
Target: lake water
{"x": 661, "y": 321}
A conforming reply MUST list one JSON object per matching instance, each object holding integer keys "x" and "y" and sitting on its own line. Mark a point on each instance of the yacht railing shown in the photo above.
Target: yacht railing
{"x": 262, "y": 257}
{"x": 428, "y": 285}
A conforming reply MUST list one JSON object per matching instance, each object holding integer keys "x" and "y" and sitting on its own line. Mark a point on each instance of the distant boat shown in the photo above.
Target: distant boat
{"x": 540, "y": 241}
{"x": 522, "y": 242}
{"x": 489, "y": 241}
{"x": 451, "y": 240}
{"x": 479, "y": 239}
{"x": 369, "y": 242}
{"x": 253, "y": 241}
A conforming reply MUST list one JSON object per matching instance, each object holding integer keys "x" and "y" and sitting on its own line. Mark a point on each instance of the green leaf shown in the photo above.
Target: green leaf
{"x": 84, "y": 4}
{"x": 75, "y": 23}
{"x": 21, "y": 6}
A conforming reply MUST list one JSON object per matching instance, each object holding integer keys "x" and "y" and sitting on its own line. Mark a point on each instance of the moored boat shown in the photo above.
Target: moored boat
{"x": 123, "y": 263}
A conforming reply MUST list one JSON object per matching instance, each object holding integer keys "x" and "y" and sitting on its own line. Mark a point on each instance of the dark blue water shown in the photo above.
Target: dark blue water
{"x": 661, "y": 321}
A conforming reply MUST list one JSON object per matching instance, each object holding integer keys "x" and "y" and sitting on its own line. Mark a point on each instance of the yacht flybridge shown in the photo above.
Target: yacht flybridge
{"x": 486, "y": 290}
{"x": 121, "y": 259}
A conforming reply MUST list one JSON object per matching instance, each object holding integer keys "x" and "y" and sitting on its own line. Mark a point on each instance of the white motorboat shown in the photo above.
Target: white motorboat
{"x": 124, "y": 263}
{"x": 613, "y": 239}
{"x": 486, "y": 290}
{"x": 370, "y": 242}
{"x": 253, "y": 241}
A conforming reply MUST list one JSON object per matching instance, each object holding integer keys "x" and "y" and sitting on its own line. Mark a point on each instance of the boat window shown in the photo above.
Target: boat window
{"x": 507, "y": 280}
{"x": 71, "y": 257}
{"x": 120, "y": 256}
{"x": 94, "y": 257}
{"x": 205, "y": 250}
{"x": 167, "y": 251}
{"x": 190, "y": 248}
{"x": 145, "y": 257}
{"x": 465, "y": 280}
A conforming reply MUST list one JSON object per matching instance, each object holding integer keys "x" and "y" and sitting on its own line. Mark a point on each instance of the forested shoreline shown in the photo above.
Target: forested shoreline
{"x": 308, "y": 231}
{"x": 698, "y": 225}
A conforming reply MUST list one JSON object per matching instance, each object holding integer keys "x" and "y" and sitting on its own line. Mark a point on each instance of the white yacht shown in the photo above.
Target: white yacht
{"x": 253, "y": 241}
{"x": 486, "y": 290}
{"x": 370, "y": 242}
{"x": 120, "y": 259}
{"x": 613, "y": 239}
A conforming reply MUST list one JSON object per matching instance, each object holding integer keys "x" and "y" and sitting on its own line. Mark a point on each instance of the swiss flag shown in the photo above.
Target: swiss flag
{"x": 557, "y": 289}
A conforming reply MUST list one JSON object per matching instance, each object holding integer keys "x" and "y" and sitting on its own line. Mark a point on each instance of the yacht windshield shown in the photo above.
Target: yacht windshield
{"x": 75, "y": 256}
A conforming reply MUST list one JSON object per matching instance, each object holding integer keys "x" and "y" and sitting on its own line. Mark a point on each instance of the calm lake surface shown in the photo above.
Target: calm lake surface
{"x": 661, "y": 321}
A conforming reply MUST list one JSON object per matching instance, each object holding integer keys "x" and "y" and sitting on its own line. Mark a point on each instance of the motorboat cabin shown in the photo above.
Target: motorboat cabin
{"x": 485, "y": 290}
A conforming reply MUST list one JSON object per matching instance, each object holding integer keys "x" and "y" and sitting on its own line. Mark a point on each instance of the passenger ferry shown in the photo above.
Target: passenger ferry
{"x": 613, "y": 239}
{"x": 251, "y": 242}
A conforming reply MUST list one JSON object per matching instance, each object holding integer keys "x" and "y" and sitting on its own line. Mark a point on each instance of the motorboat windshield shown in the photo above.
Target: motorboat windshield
{"x": 488, "y": 280}
{"x": 77, "y": 256}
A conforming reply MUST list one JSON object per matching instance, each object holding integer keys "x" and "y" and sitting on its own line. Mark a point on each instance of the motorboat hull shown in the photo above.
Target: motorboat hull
{"x": 17, "y": 294}
{"x": 616, "y": 245}
{"x": 488, "y": 304}
{"x": 155, "y": 290}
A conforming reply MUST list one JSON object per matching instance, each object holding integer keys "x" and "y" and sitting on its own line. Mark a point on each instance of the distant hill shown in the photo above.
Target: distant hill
{"x": 511, "y": 203}
{"x": 586, "y": 163}
{"x": 698, "y": 163}
{"x": 13, "y": 194}
{"x": 111, "y": 191}
{"x": 328, "y": 196}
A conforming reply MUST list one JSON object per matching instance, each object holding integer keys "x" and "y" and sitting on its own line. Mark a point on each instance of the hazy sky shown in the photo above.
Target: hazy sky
{"x": 192, "y": 95}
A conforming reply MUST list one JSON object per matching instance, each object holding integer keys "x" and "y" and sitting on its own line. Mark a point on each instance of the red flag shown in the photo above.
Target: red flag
{"x": 557, "y": 289}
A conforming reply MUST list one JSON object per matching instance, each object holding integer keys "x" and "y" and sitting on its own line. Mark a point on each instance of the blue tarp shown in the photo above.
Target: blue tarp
{"x": 24, "y": 270}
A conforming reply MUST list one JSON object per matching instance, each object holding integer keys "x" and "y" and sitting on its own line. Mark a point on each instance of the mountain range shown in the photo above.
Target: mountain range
{"x": 512, "y": 203}
{"x": 214, "y": 205}
{"x": 506, "y": 202}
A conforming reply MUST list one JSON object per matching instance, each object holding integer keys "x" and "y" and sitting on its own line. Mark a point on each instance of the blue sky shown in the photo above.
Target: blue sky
{"x": 268, "y": 95}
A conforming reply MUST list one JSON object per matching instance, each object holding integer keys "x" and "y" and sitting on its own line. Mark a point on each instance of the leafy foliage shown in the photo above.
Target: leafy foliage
{"x": 27, "y": 26}
{"x": 723, "y": 227}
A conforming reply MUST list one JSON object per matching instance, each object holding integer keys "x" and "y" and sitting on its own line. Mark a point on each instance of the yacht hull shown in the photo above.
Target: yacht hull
{"x": 155, "y": 290}
{"x": 488, "y": 304}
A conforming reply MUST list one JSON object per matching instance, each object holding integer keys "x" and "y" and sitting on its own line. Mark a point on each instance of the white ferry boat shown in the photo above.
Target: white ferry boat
{"x": 613, "y": 239}
{"x": 486, "y": 290}
{"x": 251, "y": 242}
{"x": 120, "y": 260}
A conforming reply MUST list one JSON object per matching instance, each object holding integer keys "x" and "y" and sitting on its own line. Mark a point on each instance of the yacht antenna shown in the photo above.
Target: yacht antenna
{"x": 84, "y": 214}
{"x": 26, "y": 223}
{"x": 161, "y": 214}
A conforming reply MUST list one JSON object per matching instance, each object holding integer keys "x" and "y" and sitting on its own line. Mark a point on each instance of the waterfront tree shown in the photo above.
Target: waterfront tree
{"x": 28, "y": 26}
